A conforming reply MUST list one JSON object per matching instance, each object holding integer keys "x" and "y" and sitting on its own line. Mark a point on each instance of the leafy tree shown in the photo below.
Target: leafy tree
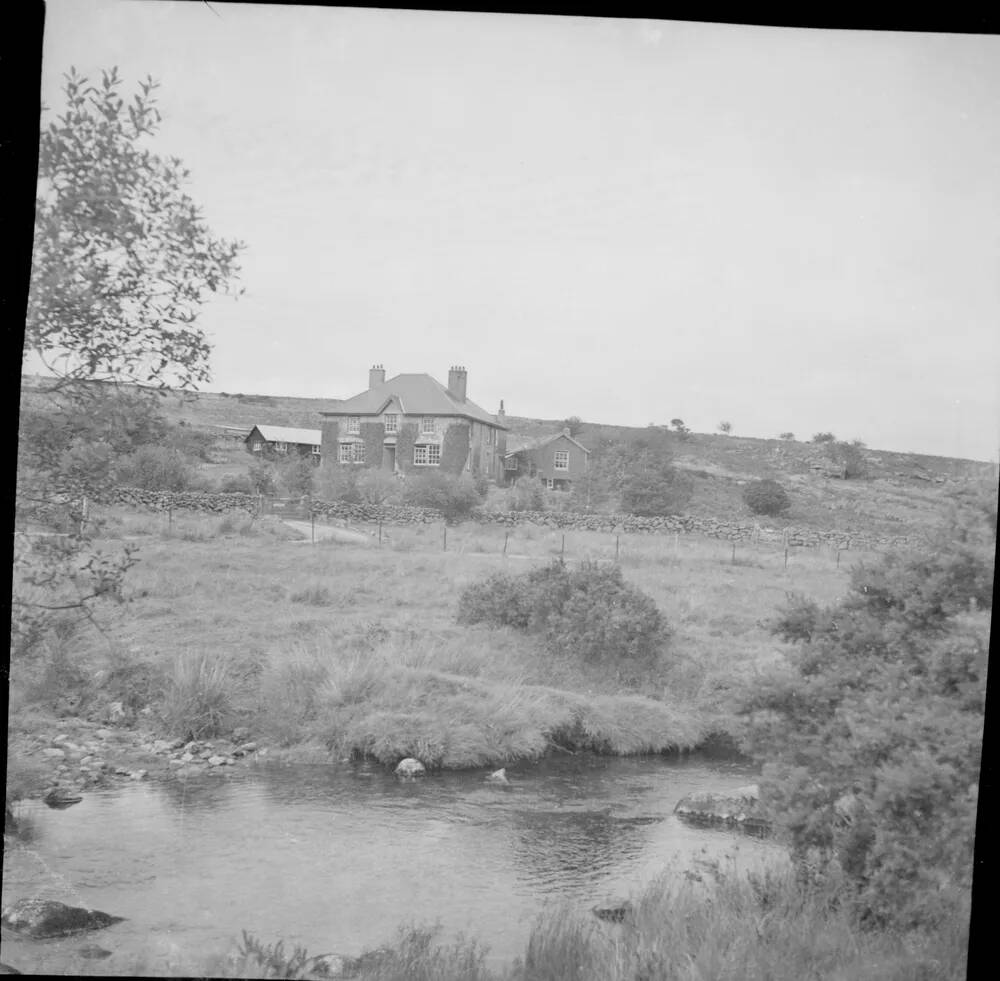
{"x": 725, "y": 428}
{"x": 824, "y": 438}
{"x": 766, "y": 497}
{"x": 527, "y": 494}
{"x": 122, "y": 263}
{"x": 574, "y": 424}
{"x": 454, "y": 497}
{"x": 682, "y": 431}
{"x": 123, "y": 259}
{"x": 787, "y": 436}
{"x": 849, "y": 457}
{"x": 873, "y": 738}
{"x": 154, "y": 468}
{"x": 296, "y": 476}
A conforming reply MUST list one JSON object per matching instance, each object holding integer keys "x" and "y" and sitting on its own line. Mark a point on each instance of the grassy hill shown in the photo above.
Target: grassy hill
{"x": 903, "y": 494}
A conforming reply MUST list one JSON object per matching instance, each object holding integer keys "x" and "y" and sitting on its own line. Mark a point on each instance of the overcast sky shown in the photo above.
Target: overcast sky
{"x": 624, "y": 220}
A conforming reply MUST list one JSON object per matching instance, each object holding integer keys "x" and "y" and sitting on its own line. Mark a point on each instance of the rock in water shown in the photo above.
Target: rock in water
{"x": 498, "y": 776}
{"x": 741, "y": 809}
{"x": 410, "y": 768}
{"x": 93, "y": 953}
{"x": 60, "y": 797}
{"x": 612, "y": 914}
{"x": 48, "y": 918}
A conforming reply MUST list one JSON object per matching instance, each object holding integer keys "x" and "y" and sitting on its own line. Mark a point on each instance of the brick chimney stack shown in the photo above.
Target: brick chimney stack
{"x": 457, "y": 381}
{"x": 501, "y": 415}
{"x": 376, "y": 376}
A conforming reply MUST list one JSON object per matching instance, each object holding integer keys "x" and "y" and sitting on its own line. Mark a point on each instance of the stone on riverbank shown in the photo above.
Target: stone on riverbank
{"x": 410, "y": 768}
{"x": 498, "y": 776}
{"x": 60, "y": 798}
{"x": 42, "y": 918}
{"x": 741, "y": 809}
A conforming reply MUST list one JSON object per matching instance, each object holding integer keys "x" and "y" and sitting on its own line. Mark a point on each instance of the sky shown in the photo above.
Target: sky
{"x": 628, "y": 221}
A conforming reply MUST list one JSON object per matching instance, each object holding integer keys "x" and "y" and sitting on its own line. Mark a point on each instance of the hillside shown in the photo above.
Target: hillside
{"x": 903, "y": 494}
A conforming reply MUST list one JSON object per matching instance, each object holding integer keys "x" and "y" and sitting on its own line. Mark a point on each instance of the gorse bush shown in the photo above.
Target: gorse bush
{"x": 873, "y": 740}
{"x": 589, "y": 612}
{"x": 766, "y": 497}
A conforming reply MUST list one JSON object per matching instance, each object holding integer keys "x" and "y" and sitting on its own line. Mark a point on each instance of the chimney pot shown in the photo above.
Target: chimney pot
{"x": 376, "y": 376}
{"x": 457, "y": 382}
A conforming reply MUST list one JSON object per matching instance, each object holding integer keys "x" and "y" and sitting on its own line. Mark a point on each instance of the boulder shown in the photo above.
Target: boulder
{"x": 740, "y": 808}
{"x": 498, "y": 776}
{"x": 612, "y": 914}
{"x": 60, "y": 797}
{"x": 93, "y": 953}
{"x": 410, "y": 768}
{"x": 47, "y": 918}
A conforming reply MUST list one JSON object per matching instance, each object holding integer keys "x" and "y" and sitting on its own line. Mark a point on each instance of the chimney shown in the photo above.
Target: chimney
{"x": 457, "y": 378}
{"x": 501, "y": 415}
{"x": 566, "y": 431}
{"x": 376, "y": 376}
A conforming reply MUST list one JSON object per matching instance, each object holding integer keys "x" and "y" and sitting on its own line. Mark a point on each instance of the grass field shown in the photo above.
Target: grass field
{"x": 355, "y": 649}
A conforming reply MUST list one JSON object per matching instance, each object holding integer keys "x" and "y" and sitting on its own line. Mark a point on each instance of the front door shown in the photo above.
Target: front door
{"x": 389, "y": 459}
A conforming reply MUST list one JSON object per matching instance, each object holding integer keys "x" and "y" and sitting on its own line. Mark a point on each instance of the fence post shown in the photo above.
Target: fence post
{"x": 786, "y": 556}
{"x": 312, "y": 523}
{"x": 618, "y": 544}
{"x": 734, "y": 553}
{"x": 170, "y": 517}
{"x": 506, "y": 535}
{"x": 445, "y": 538}
{"x": 838, "y": 557}
{"x": 677, "y": 543}
{"x": 380, "y": 532}
{"x": 562, "y": 548}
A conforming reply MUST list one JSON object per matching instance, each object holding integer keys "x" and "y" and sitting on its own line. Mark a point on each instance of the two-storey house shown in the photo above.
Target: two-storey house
{"x": 412, "y": 424}
{"x": 557, "y": 460}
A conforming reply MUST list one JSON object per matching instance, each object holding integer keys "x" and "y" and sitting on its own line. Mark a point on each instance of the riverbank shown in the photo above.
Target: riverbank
{"x": 333, "y": 651}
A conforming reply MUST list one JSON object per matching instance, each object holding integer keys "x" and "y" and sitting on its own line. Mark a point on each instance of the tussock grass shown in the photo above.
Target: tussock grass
{"x": 197, "y": 701}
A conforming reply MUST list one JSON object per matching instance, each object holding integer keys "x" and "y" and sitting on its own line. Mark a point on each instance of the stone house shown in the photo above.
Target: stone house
{"x": 414, "y": 424}
{"x": 557, "y": 460}
{"x": 282, "y": 440}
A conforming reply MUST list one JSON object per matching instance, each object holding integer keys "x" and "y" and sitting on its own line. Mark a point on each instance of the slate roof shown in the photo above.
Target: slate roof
{"x": 284, "y": 434}
{"x": 418, "y": 395}
{"x": 537, "y": 442}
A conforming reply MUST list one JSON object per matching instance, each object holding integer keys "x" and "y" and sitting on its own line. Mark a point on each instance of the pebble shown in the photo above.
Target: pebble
{"x": 187, "y": 758}
{"x": 104, "y": 733}
{"x": 62, "y": 737}
{"x": 139, "y": 774}
{"x": 216, "y": 760}
{"x": 249, "y": 747}
{"x": 53, "y": 753}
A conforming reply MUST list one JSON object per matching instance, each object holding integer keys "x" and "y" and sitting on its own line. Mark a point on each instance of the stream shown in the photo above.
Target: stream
{"x": 335, "y": 858}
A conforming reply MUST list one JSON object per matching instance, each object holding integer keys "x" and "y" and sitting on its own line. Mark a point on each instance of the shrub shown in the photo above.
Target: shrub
{"x": 849, "y": 457}
{"x": 454, "y": 497}
{"x": 338, "y": 483}
{"x": 589, "y": 612}
{"x": 527, "y": 494}
{"x": 656, "y": 490}
{"x": 154, "y": 468}
{"x": 786, "y": 436}
{"x": 237, "y": 484}
{"x": 296, "y": 476}
{"x": 824, "y": 438}
{"x": 766, "y": 497}
{"x": 376, "y": 486}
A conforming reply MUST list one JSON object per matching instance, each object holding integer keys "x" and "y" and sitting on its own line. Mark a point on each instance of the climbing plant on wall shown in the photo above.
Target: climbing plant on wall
{"x": 373, "y": 434}
{"x": 455, "y": 449}
{"x": 405, "y": 439}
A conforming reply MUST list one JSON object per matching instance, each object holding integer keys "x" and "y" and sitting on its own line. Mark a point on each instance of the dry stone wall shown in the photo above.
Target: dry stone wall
{"x": 396, "y": 514}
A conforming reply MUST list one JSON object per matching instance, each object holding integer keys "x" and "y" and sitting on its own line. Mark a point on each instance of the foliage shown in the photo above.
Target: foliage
{"x": 589, "y": 612}
{"x": 455, "y": 497}
{"x": 527, "y": 494}
{"x": 786, "y": 436}
{"x": 849, "y": 457}
{"x": 574, "y": 424}
{"x": 296, "y": 476}
{"x": 725, "y": 427}
{"x": 766, "y": 497}
{"x": 262, "y": 478}
{"x": 373, "y": 435}
{"x": 377, "y": 486}
{"x": 240, "y": 483}
{"x": 336, "y": 482}
{"x": 123, "y": 259}
{"x": 654, "y": 487}
{"x": 682, "y": 431}
{"x": 406, "y": 438}
{"x": 154, "y": 468}
{"x": 455, "y": 448}
{"x": 824, "y": 438}
{"x": 271, "y": 961}
{"x": 874, "y": 737}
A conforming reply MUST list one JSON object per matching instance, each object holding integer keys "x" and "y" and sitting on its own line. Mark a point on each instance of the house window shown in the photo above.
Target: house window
{"x": 427, "y": 425}
{"x": 280, "y": 447}
{"x": 257, "y": 445}
{"x": 550, "y": 484}
{"x": 491, "y": 436}
{"x": 510, "y": 463}
{"x": 316, "y": 450}
{"x": 562, "y": 460}
{"x": 354, "y": 424}
{"x": 392, "y": 423}
{"x": 345, "y": 453}
{"x": 426, "y": 455}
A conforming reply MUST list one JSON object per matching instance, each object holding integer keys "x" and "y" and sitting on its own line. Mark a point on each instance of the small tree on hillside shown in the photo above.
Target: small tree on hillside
{"x": 766, "y": 497}
{"x": 786, "y": 436}
{"x": 725, "y": 428}
{"x": 849, "y": 457}
{"x": 823, "y": 438}
{"x": 574, "y": 424}
{"x": 655, "y": 487}
{"x": 680, "y": 429}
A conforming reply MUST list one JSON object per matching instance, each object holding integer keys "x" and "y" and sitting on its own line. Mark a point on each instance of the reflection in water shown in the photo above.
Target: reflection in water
{"x": 335, "y": 857}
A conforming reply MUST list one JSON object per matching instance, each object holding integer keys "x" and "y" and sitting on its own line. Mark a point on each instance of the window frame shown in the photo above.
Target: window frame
{"x": 433, "y": 450}
{"x": 354, "y": 425}
{"x": 424, "y": 431}
{"x": 564, "y": 456}
{"x": 346, "y": 453}
{"x": 394, "y": 416}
